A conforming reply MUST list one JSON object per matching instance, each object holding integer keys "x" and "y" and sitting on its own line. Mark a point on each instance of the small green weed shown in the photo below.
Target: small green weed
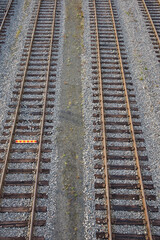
{"x": 18, "y": 31}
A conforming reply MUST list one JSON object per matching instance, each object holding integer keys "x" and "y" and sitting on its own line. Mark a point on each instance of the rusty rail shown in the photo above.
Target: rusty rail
{"x": 132, "y": 130}
{"x": 104, "y": 132}
{"x": 41, "y": 131}
{"x": 32, "y": 215}
{"x": 18, "y": 105}
{"x": 151, "y": 21}
{"x": 6, "y": 13}
{"x": 147, "y": 222}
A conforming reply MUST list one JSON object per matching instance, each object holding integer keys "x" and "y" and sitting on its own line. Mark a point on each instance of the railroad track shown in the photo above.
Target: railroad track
{"x": 125, "y": 197}
{"x": 6, "y": 11}
{"x": 25, "y": 166}
{"x": 151, "y": 12}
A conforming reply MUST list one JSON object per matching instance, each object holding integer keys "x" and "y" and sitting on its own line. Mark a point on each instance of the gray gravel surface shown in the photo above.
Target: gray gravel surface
{"x": 146, "y": 75}
{"x": 49, "y": 230}
{"x": 89, "y": 152}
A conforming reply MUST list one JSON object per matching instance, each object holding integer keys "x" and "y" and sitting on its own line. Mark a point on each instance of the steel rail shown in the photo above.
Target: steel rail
{"x": 104, "y": 132}
{"x": 42, "y": 128}
{"x": 149, "y": 237}
{"x": 151, "y": 21}
{"x": 6, "y": 13}
{"x": 18, "y": 105}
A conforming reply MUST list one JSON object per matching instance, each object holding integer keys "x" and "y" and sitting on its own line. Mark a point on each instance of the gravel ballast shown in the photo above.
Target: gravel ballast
{"x": 145, "y": 72}
{"x": 89, "y": 152}
{"x": 11, "y": 52}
